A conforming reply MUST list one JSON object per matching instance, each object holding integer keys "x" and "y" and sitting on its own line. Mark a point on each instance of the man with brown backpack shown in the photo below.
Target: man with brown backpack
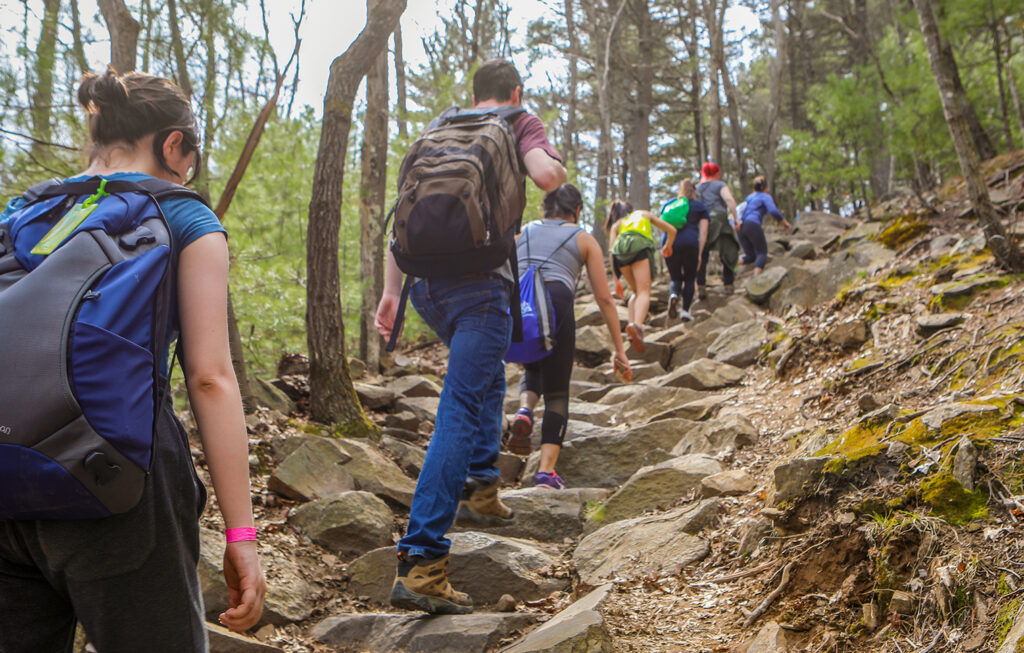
{"x": 461, "y": 194}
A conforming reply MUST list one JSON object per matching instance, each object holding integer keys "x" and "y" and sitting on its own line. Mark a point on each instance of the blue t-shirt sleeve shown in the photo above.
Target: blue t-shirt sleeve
{"x": 189, "y": 220}
{"x": 698, "y": 211}
{"x": 769, "y": 205}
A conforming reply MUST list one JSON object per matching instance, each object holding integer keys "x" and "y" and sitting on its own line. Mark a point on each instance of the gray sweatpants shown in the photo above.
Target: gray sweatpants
{"x": 130, "y": 579}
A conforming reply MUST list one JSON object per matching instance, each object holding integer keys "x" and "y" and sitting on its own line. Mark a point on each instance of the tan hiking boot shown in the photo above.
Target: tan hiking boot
{"x": 480, "y": 505}
{"x": 422, "y": 584}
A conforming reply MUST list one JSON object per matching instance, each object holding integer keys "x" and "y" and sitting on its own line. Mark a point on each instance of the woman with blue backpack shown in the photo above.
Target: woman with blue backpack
{"x": 757, "y": 205}
{"x": 123, "y": 562}
{"x": 690, "y": 217}
{"x": 559, "y": 249}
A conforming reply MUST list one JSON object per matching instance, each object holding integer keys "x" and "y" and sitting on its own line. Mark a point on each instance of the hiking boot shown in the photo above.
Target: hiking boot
{"x": 522, "y": 430}
{"x": 480, "y": 505}
{"x": 685, "y": 316}
{"x": 673, "y": 306}
{"x": 550, "y": 481}
{"x": 636, "y": 337}
{"x": 702, "y": 292}
{"x": 422, "y": 584}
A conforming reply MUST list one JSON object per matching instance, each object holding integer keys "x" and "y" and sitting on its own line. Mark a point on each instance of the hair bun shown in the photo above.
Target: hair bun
{"x": 99, "y": 91}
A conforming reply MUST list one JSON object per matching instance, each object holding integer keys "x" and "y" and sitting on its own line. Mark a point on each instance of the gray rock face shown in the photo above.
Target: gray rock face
{"x": 759, "y": 288}
{"x": 659, "y": 484}
{"x": 1013, "y": 640}
{"x": 373, "y": 472}
{"x": 271, "y": 397}
{"x": 414, "y": 386}
{"x": 315, "y": 470}
{"x": 845, "y": 265}
{"x": 965, "y": 462}
{"x": 790, "y": 477}
{"x": 802, "y": 249}
{"x": 686, "y": 349}
{"x": 965, "y": 288}
{"x": 606, "y": 460}
{"x": 770, "y": 639}
{"x": 702, "y": 374}
{"x": 705, "y": 406}
{"x": 930, "y": 322}
{"x": 751, "y": 532}
{"x": 374, "y": 397}
{"x": 544, "y": 515}
{"x": 595, "y": 414}
{"x": 659, "y": 544}
{"x": 409, "y": 456}
{"x": 730, "y": 483}
{"x": 223, "y": 640}
{"x": 424, "y": 408}
{"x": 849, "y": 334}
{"x": 485, "y": 566}
{"x": 289, "y": 597}
{"x": 740, "y": 344}
{"x": 350, "y": 523}
{"x": 936, "y": 417}
{"x": 577, "y": 629}
{"x": 638, "y": 403}
{"x": 728, "y": 431}
{"x": 413, "y": 632}
{"x": 593, "y": 343}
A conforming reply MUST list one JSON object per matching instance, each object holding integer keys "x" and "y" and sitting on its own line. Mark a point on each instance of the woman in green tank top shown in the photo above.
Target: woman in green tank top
{"x": 631, "y": 247}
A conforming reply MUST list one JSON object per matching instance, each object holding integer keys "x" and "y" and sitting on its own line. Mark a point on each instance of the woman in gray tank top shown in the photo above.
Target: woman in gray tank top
{"x": 560, "y": 249}
{"x": 721, "y": 234}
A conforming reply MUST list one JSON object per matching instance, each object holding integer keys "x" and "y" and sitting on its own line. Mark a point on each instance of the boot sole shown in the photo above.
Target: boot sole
{"x": 404, "y": 598}
{"x": 466, "y": 515}
{"x": 519, "y": 443}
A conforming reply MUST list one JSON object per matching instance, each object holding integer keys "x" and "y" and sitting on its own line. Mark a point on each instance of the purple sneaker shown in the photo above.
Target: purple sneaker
{"x": 550, "y": 481}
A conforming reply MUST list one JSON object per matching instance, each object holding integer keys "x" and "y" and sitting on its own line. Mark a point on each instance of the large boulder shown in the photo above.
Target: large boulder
{"x": 705, "y": 406}
{"x": 374, "y": 397}
{"x": 373, "y": 472}
{"x": 660, "y": 544}
{"x": 289, "y": 597}
{"x": 638, "y": 403}
{"x": 414, "y": 385}
{"x": 543, "y": 515}
{"x": 579, "y": 628}
{"x": 702, "y": 374}
{"x": 790, "y": 477}
{"x": 593, "y": 345}
{"x": 314, "y": 470}
{"x": 350, "y": 523}
{"x": 424, "y": 408}
{"x": 606, "y": 460}
{"x": 483, "y": 565}
{"x": 270, "y": 396}
{"x": 760, "y": 287}
{"x": 866, "y": 257}
{"x": 409, "y": 456}
{"x": 730, "y": 483}
{"x": 595, "y": 414}
{"x": 659, "y": 485}
{"x": 730, "y": 430}
{"x": 414, "y": 632}
{"x": 740, "y": 344}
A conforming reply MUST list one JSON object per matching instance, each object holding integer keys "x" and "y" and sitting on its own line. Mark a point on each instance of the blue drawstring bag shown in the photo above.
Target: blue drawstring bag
{"x": 538, "y": 320}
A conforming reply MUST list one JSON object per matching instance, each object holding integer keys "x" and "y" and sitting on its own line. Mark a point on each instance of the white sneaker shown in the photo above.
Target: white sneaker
{"x": 685, "y": 316}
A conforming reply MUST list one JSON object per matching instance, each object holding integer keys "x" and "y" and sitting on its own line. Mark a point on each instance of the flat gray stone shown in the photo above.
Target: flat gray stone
{"x": 544, "y": 515}
{"x": 579, "y": 628}
{"x": 314, "y": 470}
{"x": 349, "y": 524}
{"x": 659, "y": 485}
{"x": 770, "y": 639}
{"x": 409, "y": 456}
{"x": 638, "y": 403}
{"x": 790, "y": 477}
{"x": 270, "y": 396}
{"x": 374, "y": 397}
{"x": 759, "y": 288}
{"x": 702, "y": 408}
{"x": 729, "y": 431}
{"x": 660, "y": 544}
{"x": 730, "y": 483}
{"x": 373, "y": 472}
{"x": 849, "y": 333}
{"x": 483, "y": 565}
{"x": 223, "y": 640}
{"x": 934, "y": 321}
{"x": 739, "y": 344}
{"x": 702, "y": 374}
{"x": 414, "y": 385}
{"x": 424, "y": 408}
{"x": 480, "y": 631}
{"x": 936, "y": 417}
{"x": 595, "y": 414}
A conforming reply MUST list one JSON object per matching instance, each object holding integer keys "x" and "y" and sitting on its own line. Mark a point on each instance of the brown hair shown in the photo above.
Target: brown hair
{"x": 126, "y": 108}
{"x": 759, "y": 183}
{"x": 495, "y": 79}
{"x": 688, "y": 189}
{"x": 618, "y": 209}
{"x": 562, "y": 202}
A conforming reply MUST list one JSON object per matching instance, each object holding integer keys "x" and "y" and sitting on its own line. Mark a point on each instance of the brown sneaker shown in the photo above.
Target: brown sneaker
{"x": 422, "y": 584}
{"x": 480, "y": 505}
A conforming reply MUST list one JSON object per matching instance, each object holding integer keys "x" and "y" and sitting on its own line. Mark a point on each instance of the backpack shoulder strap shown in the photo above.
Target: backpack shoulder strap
{"x": 509, "y": 112}
{"x": 37, "y": 191}
{"x": 157, "y": 188}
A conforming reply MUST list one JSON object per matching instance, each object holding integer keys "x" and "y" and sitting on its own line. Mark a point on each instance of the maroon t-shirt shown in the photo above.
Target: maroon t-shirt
{"x": 530, "y": 134}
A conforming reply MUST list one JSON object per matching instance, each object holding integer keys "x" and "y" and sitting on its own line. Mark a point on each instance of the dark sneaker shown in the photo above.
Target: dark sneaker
{"x": 702, "y": 292}
{"x": 636, "y": 337}
{"x": 480, "y": 505}
{"x": 673, "y": 306}
{"x": 422, "y": 584}
{"x": 550, "y": 481}
{"x": 522, "y": 430}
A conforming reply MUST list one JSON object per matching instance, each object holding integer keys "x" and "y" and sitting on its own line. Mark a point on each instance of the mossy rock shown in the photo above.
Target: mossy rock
{"x": 957, "y": 295}
{"x": 951, "y": 501}
{"x": 902, "y": 231}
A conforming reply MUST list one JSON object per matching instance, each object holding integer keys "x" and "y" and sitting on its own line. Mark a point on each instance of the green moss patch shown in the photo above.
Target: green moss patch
{"x": 949, "y": 500}
{"x": 902, "y": 231}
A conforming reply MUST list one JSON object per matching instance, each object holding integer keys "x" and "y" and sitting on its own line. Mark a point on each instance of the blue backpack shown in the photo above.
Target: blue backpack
{"x": 85, "y": 293}
{"x": 538, "y": 315}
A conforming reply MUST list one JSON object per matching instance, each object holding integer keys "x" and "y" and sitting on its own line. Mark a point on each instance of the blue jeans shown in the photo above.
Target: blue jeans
{"x": 471, "y": 317}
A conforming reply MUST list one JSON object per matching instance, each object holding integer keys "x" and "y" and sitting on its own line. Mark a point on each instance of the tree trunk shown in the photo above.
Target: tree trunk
{"x": 571, "y": 123}
{"x": 731, "y": 97}
{"x": 184, "y": 80}
{"x": 42, "y": 95}
{"x": 947, "y": 77}
{"x": 777, "y": 65}
{"x": 714, "y": 36}
{"x": 997, "y": 50}
{"x": 332, "y": 395}
{"x": 1018, "y": 106}
{"x": 124, "y": 34}
{"x": 639, "y": 136}
{"x": 78, "y": 47}
{"x": 372, "y": 188}
{"x": 401, "y": 111}
{"x": 693, "y": 51}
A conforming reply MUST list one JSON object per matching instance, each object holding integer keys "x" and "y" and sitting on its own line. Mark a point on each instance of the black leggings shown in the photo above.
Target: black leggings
{"x": 682, "y": 268}
{"x": 550, "y": 376}
{"x": 755, "y": 247}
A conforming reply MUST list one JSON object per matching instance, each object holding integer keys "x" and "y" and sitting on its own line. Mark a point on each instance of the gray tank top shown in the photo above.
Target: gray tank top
{"x": 554, "y": 247}
{"x": 710, "y": 192}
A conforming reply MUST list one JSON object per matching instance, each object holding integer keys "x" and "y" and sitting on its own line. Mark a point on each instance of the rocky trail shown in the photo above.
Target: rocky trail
{"x": 828, "y": 460}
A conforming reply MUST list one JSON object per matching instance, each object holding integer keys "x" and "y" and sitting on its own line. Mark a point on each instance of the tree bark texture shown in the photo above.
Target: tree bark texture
{"x": 954, "y": 103}
{"x": 124, "y": 34}
{"x": 572, "y": 122}
{"x": 78, "y": 48}
{"x": 691, "y": 38}
{"x": 401, "y": 110}
{"x": 640, "y": 131}
{"x": 181, "y": 63}
{"x": 710, "y": 9}
{"x": 42, "y": 95}
{"x": 731, "y": 97}
{"x": 332, "y": 395}
{"x": 372, "y": 188}
{"x": 777, "y": 66}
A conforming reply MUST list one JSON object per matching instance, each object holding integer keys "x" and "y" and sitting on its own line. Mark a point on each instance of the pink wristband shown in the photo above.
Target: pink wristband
{"x": 240, "y": 534}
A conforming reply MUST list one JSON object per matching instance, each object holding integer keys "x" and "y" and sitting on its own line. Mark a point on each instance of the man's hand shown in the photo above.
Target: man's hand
{"x": 246, "y": 586}
{"x": 387, "y": 309}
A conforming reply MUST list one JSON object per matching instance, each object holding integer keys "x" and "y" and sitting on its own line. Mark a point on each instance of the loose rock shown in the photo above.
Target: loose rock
{"x": 351, "y": 523}
{"x": 578, "y": 628}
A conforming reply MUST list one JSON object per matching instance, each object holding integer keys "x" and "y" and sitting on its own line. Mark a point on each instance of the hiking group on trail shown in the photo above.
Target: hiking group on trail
{"x": 101, "y": 501}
